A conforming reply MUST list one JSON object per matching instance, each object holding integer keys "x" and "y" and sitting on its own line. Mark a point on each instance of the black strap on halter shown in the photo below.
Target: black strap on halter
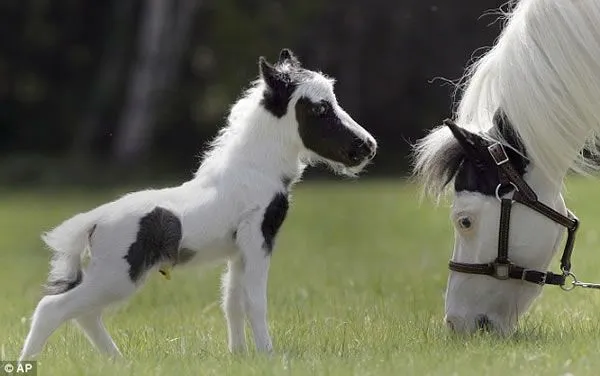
{"x": 502, "y": 268}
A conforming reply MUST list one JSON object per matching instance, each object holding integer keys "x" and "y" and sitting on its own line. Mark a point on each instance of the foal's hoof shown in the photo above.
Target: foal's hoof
{"x": 268, "y": 352}
{"x": 238, "y": 351}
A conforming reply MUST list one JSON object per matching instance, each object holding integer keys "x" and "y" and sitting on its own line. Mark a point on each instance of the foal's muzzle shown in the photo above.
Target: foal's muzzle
{"x": 361, "y": 150}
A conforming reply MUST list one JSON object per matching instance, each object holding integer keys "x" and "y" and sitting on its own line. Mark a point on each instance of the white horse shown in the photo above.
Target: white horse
{"x": 530, "y": 105}
{"x": 231, "y": 209}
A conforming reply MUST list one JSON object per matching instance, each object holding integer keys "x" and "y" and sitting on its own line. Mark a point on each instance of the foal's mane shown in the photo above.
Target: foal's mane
{"x": 237, "y": 118}
{"x": 543, "y": 74}
{"x": 249, "y": 106}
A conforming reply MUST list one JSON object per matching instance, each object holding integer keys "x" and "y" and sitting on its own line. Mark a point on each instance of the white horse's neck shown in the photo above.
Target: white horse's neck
{"x": 546, "y": 189}
{"x": 542, "y": 73}
{"x": 253, "y": 141}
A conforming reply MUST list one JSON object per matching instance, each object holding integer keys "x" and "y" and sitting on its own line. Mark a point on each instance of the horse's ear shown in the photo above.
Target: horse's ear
{"x": 268, "y": 72}
{"x": 507, "y": 131}
{"x": 471, "y": 142}
{"x": 286, "y": 56}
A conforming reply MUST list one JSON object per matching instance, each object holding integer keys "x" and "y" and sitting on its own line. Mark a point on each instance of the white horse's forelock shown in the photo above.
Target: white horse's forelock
{"x": 436, "y": 158}
{"x": 543, "y": 74}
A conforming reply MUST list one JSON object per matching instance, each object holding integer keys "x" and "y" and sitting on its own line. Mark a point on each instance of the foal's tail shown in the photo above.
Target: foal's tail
{"x": 68, "y": 241}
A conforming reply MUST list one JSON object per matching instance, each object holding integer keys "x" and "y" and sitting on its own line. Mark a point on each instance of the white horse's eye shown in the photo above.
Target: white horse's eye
{"x": 465, "y": 222}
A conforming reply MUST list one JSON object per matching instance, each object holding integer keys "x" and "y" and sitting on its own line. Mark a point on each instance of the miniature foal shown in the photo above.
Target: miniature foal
{"x": 231, "y": 209}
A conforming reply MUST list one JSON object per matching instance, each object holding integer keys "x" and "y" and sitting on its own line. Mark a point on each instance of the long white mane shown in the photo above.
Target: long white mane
{"x": 544, "y": 73}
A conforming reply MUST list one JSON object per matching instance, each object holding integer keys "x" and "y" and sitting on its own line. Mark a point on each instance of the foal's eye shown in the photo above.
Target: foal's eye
{"x": 319, "y": 109}
{"x": 465, "y": 223}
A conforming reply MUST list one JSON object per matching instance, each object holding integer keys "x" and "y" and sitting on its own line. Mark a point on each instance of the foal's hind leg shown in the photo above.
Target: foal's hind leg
{"x": 50, "y": 313}
{"x": 93, "y": 327}
{"x": 46, "y": 318}
{"x": 90, "y": 296}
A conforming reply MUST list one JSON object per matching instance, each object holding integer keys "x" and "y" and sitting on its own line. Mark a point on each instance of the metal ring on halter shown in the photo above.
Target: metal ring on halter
{"x": 573, "y": 284}
{"x": 500, "y": 186}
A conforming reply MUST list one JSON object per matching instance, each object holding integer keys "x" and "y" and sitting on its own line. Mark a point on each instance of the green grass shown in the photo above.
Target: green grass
{"x": 355, "y": 288}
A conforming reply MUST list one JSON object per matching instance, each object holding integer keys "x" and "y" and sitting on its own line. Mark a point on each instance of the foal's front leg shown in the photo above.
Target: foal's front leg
{"x": 233, "y": 305}
{"x": 256, "y": 261}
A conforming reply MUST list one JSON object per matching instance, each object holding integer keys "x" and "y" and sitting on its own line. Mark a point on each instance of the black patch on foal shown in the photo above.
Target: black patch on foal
{"x": 281, "y": 81}
{"x": 273, "y": 219}
{"x": 276, "y": 99}
{"x": 323, "y": 132}
{"x": 157, "y": 241}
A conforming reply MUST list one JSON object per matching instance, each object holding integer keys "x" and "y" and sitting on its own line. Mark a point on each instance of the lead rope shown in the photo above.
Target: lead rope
{"x": 565, "y": 261}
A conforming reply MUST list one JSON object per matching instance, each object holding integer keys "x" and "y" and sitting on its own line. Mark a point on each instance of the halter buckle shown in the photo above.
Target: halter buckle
{"x": 498, "y": 153}
{"x": 541, "y": 282}
{"x": 501, "y": 271}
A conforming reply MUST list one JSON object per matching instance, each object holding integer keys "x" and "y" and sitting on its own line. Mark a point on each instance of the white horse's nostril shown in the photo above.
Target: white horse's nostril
{"x": 483, "y": 323}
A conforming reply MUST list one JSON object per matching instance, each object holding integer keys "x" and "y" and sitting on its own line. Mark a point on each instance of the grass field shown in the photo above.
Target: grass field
{"x": 356, "y": 288}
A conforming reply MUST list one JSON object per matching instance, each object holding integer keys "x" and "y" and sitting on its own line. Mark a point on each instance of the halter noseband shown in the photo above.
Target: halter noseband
{"x": 502, "y": 268}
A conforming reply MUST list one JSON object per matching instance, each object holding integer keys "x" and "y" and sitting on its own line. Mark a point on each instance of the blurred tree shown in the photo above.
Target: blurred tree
{"x": 162, "y": 37}
{"x": 138, "y": 81}
{"x": 386, "y": 56}
{"x": 105, "y": 88}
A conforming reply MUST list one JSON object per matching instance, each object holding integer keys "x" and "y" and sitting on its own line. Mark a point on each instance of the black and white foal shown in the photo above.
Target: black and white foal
{"x": 231, "y": 209}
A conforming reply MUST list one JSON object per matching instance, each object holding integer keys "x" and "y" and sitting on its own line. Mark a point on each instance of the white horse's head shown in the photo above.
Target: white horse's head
{"x": 304, "y": 102}
{"x": 479, "y": 296}
{"x": 536, "y": 92}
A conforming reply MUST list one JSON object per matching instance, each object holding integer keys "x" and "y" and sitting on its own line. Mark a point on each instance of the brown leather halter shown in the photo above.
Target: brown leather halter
{"x": 502, "y": 268}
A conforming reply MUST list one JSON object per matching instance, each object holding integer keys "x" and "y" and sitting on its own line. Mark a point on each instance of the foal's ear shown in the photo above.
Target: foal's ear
{"x": 286, "y": 56}
{"x": 268, "y": 72}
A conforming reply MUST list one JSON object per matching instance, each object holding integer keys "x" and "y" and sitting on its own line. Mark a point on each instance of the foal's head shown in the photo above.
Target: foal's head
{"x": 304, "y": 102}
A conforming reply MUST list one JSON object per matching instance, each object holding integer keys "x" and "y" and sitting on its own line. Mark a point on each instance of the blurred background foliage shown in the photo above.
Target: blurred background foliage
{"x": 100, "y": 91}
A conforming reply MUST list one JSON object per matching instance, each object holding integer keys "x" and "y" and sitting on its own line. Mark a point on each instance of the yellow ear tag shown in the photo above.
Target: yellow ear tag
{"x": 166, "y": 272}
